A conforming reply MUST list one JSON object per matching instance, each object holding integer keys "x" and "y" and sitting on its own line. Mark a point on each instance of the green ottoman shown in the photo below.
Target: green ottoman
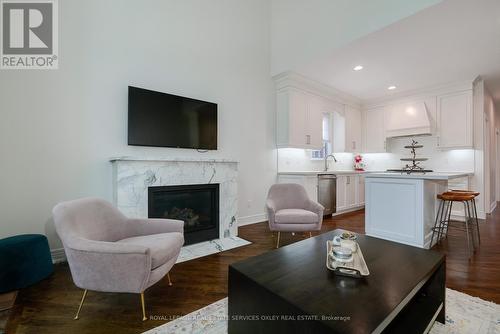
{"x": 24, "y": 260}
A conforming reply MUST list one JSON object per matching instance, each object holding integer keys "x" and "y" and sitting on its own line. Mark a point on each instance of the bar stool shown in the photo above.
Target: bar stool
{"x": 475, "y": 193}
{"x": 443, "y": 216}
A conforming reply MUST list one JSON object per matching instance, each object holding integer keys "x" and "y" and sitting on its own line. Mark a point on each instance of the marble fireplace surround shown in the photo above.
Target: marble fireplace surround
{"x": 132, "y": 177}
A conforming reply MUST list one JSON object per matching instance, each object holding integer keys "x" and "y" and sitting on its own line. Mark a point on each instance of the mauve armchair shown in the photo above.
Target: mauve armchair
{"x": 289, "y": 209}
{"x": 109, "y": 252}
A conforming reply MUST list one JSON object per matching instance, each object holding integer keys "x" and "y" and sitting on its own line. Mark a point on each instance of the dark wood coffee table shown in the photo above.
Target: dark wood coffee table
{"x": 290, "y": 290}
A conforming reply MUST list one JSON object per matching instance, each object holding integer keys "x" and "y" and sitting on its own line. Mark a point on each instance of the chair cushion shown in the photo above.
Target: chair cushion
{"x": 295, "y": 216}
{"x": 163, "y": 246}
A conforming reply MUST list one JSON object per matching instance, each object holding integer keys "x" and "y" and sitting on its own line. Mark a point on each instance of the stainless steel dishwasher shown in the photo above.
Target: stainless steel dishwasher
{"x": 327, "y": 192}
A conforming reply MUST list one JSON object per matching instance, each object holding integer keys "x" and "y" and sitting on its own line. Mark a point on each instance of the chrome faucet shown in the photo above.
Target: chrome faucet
{"x": 326, "y": 161}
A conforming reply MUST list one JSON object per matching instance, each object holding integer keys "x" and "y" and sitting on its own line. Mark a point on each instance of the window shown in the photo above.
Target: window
{"x": 327, "y": 142}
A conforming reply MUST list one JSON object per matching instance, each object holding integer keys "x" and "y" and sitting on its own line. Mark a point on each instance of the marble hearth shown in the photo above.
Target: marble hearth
{"x": 133, "y": 176}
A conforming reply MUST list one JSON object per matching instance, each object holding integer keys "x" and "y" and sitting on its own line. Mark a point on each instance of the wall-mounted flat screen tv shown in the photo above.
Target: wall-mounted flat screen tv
{"x": 166, "y": 120}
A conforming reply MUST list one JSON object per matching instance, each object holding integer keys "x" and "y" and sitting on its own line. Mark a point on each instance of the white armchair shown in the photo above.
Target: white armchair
{"x": 289, "y": 209}
{"x": 108, "y": 252}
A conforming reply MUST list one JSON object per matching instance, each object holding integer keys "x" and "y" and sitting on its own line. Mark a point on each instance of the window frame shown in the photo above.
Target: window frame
{"x": 327, "y": 144}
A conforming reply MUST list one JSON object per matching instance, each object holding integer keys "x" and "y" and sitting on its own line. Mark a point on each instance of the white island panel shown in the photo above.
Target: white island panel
{"x": 391, "y": 209}
{"x": 402, "y": 209}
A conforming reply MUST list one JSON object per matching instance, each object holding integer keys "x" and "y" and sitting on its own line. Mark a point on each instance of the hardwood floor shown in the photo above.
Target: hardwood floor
{"x": 479, "y": 276}
{"x": 49, "y": 307}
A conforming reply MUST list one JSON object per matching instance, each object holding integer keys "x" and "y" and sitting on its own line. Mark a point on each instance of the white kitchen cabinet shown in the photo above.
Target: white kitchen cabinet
{"x": 338, "y": 119}
{"x": 454, "y": 120}
{"x": 347, "y": 126}
{"x": 353, "y": 122}
{"x": 374, "y": 139}
{"x": 299, "y": 119}
{"x": 317, "y": 106}
{"x": 350, "y": 191}
{"x": 341, "y": 193}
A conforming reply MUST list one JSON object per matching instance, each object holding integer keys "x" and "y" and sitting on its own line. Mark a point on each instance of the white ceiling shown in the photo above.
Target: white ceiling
{"x": 452, "y": 41}
{"x": 302, "y": 30}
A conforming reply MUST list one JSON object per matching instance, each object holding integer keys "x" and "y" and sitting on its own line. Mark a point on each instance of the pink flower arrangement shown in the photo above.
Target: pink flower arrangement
{"x": 358, "y": 163}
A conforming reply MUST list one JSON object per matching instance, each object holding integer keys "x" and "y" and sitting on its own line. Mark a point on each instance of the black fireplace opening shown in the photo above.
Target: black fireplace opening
{"x": 197, "y": 205}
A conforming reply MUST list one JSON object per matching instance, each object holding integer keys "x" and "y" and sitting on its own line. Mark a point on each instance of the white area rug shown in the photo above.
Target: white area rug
{"x": 210, "y": 247}
{"x": 464, "y": 314}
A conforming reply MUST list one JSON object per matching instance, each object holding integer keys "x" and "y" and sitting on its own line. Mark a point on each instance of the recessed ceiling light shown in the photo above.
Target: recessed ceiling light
{"x": 391, "y": 87}
{"x": 358, "y": 68}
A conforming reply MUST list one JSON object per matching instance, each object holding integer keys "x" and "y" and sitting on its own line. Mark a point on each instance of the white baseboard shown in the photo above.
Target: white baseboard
{"x": 493, "y": 206}
{"x": 348, "y": 210}
{"x": 460, "y": 217}
{"x": 58, "y": 255}
{"x": 253, "y": 219}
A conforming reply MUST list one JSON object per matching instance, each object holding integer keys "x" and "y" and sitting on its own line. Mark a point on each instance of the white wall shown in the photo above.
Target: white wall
{"x": 59, "y": 128}
{"x": 478, "y": 181}
{"x": 497, "y": 140}
{"x": 491, "y": 147}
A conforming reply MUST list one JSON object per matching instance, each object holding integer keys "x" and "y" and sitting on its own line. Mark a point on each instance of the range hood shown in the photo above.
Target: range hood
{"x": 410, "y": 119}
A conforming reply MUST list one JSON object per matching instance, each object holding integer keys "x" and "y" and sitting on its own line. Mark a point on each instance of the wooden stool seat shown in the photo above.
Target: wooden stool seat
{"x": 455, "y": 196}
{"x": 475, "y": 193}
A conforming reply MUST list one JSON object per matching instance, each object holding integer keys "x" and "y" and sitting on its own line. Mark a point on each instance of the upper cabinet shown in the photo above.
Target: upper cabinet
{"x": 446, "y": 113}
{"x": 347, "y": 130}
{"x": 374, "y": 137}
{"x": 352, "y": 129}
{"x": 317, "y": 108}
{"x": 299, "y": 119}
{"x": 454, "y": 120}
{"x": 339, "y": 131}
{"x": 301, "y": 104}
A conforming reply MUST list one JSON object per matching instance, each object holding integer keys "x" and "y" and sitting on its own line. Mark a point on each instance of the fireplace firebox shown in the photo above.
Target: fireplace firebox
{"x": 197, "y": 205}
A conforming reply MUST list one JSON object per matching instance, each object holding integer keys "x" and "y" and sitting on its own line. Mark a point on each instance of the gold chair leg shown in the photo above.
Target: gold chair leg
{"x": 278, "y": 241}
{"x": 143, "y": 307}
{"x": 310, "y": 234}
{"x": 81, "y": 303}
{"x": 169, "y": 281}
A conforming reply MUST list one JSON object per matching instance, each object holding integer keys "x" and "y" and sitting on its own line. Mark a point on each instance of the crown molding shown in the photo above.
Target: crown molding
{"x": 418, "y": 94}
{"x": 295, "y": 80}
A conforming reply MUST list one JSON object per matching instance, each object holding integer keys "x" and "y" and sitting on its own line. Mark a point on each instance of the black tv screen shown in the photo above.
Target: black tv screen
{"x": 166, "y": 120}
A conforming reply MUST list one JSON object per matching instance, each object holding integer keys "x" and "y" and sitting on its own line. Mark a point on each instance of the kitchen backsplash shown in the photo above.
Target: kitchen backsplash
{"x": 292, "y": 159}
{"x": 296, "y": 159}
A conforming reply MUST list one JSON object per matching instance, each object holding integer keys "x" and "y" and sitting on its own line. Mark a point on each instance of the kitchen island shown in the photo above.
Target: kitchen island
{"x": 402, "y": 207}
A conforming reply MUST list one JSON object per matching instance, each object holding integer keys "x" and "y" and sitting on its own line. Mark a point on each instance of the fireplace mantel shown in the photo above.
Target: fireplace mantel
{"x": 132, "y": 177}
{"x": 126, "y": 158}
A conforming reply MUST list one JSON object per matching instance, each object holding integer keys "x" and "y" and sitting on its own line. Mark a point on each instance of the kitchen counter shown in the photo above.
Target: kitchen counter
{"x": 342, "y": 193}
{"x": 427, "y": 176}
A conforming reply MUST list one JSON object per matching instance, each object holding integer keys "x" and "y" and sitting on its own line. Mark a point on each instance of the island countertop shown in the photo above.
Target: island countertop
{"x": 423, "y": 176}
{"x": 334, "y": 172}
